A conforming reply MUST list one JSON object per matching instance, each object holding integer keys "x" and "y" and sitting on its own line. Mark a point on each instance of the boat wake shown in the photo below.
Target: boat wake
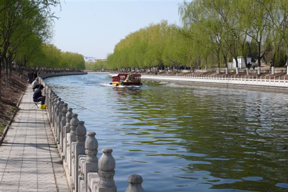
{"x": 120, "y": 86}
{"x": 106, "y": 84}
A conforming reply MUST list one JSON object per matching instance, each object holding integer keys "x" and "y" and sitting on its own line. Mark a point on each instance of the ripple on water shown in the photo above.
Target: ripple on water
{"x": 282, "y": 185}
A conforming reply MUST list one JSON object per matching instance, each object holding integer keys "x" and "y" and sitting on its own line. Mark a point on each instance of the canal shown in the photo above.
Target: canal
{"x": 185, "y": 138}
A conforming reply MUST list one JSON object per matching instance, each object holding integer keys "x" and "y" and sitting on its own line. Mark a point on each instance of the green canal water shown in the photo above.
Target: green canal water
{"x": 185, "y": 138}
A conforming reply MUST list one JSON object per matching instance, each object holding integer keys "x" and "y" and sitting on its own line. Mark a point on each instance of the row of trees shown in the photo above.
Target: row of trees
{"x": 24, "y": 25}
{"x": 156, "y": 45}
{"x": 97, "y": 65}
{"x": 213, "y": 33}
{"x": 50, "y": 56}
{"x": 25, "y": 31}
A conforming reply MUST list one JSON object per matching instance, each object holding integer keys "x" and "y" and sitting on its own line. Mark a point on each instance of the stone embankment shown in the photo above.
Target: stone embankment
{"x": 266, "y": 82}
{"x": 79, "y": 151}
{"x": 278, "y": 82}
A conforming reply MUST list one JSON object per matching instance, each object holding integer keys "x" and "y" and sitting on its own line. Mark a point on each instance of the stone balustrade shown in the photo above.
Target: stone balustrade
{"x": 85, "y": 173}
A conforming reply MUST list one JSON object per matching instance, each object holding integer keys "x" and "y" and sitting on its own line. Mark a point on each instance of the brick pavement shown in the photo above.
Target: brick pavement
{"x": 29, "y": 160}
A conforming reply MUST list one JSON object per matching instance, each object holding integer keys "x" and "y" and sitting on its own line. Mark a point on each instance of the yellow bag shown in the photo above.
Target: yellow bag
{"x": 42, "y": 106}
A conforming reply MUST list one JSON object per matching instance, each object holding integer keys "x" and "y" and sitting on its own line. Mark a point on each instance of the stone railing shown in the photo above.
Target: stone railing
{"x": 85, "y": 173}
{"x": 223, "y": 79}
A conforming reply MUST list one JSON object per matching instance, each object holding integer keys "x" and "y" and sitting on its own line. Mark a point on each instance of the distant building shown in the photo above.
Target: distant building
{"x": 89, "y": 59}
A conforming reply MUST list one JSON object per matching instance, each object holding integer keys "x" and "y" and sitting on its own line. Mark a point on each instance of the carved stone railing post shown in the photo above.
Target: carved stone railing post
{"x": 73, "y": 125}
{"x": 51, "y": 102}
{"x": 59, "y": 118}
{"x": 63, "y": 124}
{"x": 106, "y": 166}
{"x": 78, "y": 149}
{"x": 44, "y": 91}
{"x": 55, "y": 105}
{"x": 53, "y": 110}
{"x": 135, "y": 182}
{"x": 56, "y": 113}
{"x": 91, "y": 150}
{"x": 48, "y": 101}
{"x": 48, "y": 97}
{"x": 91, "y": 164}
{"x": 67, "y": 131}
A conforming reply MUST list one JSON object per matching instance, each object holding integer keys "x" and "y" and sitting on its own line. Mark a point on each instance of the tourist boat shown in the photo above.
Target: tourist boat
{"x": 126, "y": 80}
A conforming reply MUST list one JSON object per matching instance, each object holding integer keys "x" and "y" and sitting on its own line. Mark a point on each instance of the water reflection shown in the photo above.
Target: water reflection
{"x": 186, "y": 139}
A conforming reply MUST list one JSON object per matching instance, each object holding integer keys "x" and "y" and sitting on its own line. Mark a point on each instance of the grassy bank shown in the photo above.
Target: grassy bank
{"x": 10, "y": 96}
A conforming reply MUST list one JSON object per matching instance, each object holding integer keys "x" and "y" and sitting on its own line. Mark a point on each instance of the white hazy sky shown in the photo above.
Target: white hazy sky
{"x": 93, "y": 27}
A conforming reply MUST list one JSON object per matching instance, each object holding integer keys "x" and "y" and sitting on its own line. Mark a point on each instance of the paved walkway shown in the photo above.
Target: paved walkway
{"x": 29, "y": 159}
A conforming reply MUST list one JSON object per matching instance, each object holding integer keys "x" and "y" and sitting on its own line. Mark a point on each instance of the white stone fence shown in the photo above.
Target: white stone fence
{"x": 85, "y": 173}
{"x": 242, "y": 80}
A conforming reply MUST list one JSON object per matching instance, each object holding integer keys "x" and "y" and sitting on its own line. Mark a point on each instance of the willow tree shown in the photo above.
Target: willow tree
{"x": 261, "y": 23}
{"x": 97, "y": 65}
{"x": 50, "y": 56}
{"x": 19, "y": 20}
{"x": 277, "y": 11}
{"x": 203, "y": 27}
{"x": 260, "y": 30}
{"x": 29, "y": 49}
{"x": 143, "y": 48}
{"x": 177, "y": 50}
{"x": 280, "y": 22}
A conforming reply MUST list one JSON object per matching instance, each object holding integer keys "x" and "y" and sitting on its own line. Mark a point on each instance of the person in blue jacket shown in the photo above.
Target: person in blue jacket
{"x": 37, "y": 95}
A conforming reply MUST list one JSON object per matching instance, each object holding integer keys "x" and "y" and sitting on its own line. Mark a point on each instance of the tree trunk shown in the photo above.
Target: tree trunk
{"x": 259, "y": 55}
{"x": 10, "y": 66}
{"x": 236, "y": 60}
{"x": 218, "y": 60}
{"x": 0, "y": 80}
{"x": 6, "y": 72}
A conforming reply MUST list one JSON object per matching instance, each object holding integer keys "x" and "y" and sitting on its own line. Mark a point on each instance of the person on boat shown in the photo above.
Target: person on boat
{"x": 37, "y": 96}
{"x": 127, "y": 78}
{"x": 35, "y": 84}
{"x": 130, "y": 78}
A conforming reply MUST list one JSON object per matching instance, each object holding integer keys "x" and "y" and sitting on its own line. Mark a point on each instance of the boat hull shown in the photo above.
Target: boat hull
{"x": 126, "y": 80}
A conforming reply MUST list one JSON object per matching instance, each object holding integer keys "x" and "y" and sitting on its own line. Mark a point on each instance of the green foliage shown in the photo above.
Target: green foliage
{"x": 22, "y": 22}
{"x": 25, "y": 29}
{"x": 280, "y": 59}
{"x": 97, "y": 65}
{"x": 154, "y": 46}
{"x": 237, "y": 27}
{"x": 213, "y": 33}
{"x": 50, "y": 56}
{"x": 72, "y": 60}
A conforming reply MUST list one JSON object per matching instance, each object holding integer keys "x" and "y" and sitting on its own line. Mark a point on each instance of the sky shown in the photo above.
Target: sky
{"x": 93, "y": 27}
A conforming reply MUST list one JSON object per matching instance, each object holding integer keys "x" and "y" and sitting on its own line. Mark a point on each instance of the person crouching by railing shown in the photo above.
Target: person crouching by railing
{"x": 35, "y": 84}
{"x": 37, "y": 95}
